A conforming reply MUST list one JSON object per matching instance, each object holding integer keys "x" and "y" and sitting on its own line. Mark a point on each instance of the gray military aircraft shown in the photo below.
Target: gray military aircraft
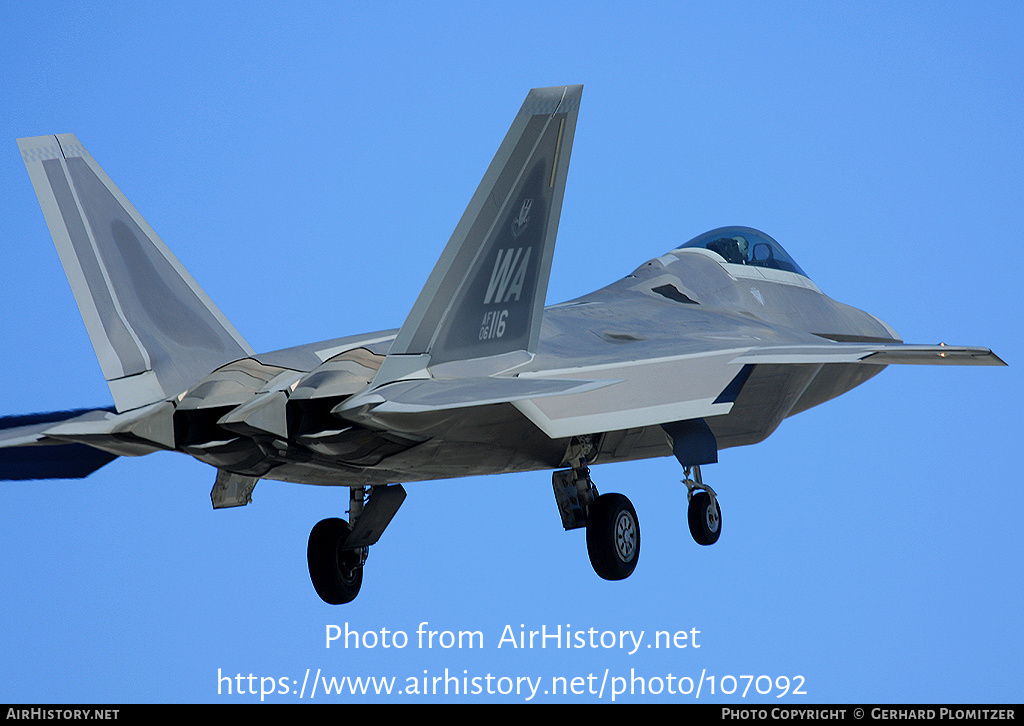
{"x": 709, "y": 346}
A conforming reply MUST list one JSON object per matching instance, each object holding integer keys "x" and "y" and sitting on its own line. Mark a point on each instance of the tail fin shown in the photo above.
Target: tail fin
{"x": 485, "y": 296}
{"x": 154, "y": 330}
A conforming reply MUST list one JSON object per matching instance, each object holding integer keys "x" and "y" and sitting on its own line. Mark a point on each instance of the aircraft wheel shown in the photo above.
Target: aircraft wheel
{"x": 705, "y": 518}
{"x": 337, "y": 574}
{"x": 613, "y": 537}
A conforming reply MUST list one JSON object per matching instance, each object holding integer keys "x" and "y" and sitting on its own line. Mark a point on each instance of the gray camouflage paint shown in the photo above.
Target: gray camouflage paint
{"x": 480, "y": 379}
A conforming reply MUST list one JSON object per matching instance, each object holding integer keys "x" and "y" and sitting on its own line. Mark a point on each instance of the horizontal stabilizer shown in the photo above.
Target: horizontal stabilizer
{"x": 62, "y": 461}
{"x": 27, "y": 453}
{"x": 134, "y": 433}
{"x": 73, "y": 444}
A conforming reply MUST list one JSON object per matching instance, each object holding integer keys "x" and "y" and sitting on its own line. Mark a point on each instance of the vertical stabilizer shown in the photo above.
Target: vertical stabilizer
{"x": 485, "y": 297}
{"x": 154, "y": 330}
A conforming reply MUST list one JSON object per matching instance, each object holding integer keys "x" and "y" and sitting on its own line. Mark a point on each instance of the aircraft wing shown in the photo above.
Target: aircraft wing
{"x": 701, "y": 385}
{"x": 647, "y": 393}
{"x": 413, "y": 396}
{"x": 878, "y": 354}
{"x": 571, "y": 401}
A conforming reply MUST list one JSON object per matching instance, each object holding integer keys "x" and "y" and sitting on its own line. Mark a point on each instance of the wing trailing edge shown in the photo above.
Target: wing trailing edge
{"x": 430, "y": 394}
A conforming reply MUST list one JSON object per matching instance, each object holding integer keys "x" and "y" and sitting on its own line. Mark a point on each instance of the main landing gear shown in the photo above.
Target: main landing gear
{"x": 613, "y": 530}
{"x": 337, "y": 550}
{"x": 335, "y": 569}
{"x": 613, "y": 537}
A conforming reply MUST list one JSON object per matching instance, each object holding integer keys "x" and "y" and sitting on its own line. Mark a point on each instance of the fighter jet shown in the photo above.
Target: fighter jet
{"x": 709, "y": 346}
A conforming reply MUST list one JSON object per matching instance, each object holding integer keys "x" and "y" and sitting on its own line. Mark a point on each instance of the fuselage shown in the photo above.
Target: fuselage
{"x": 690, "y": 302}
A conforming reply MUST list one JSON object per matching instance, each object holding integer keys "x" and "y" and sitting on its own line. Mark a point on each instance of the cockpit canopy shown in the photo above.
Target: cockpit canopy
{"x": 746, "y": 246}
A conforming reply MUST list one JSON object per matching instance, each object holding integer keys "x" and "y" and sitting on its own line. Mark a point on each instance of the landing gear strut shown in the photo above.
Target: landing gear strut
{"x": 613, "y": 531}
{"x": 337, "y": 550}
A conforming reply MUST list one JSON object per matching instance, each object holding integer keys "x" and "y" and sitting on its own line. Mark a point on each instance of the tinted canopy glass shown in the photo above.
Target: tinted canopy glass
{"x": 746, "y": 246}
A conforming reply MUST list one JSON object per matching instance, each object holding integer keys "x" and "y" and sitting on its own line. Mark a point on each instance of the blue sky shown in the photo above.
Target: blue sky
{"x": 307, "y": 165}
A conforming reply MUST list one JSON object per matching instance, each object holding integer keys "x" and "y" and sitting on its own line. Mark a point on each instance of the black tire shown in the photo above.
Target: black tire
{"x": 336, "y": 574}
{"x": 705, "y": 521}
{"x": 613, "y": 537}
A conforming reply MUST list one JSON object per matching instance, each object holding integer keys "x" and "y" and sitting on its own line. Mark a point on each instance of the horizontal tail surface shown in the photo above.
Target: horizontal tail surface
{"x": 27, "y": 453}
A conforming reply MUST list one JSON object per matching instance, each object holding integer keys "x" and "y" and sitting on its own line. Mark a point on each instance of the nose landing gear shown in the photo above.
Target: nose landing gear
{"x": 703, "y": 514}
